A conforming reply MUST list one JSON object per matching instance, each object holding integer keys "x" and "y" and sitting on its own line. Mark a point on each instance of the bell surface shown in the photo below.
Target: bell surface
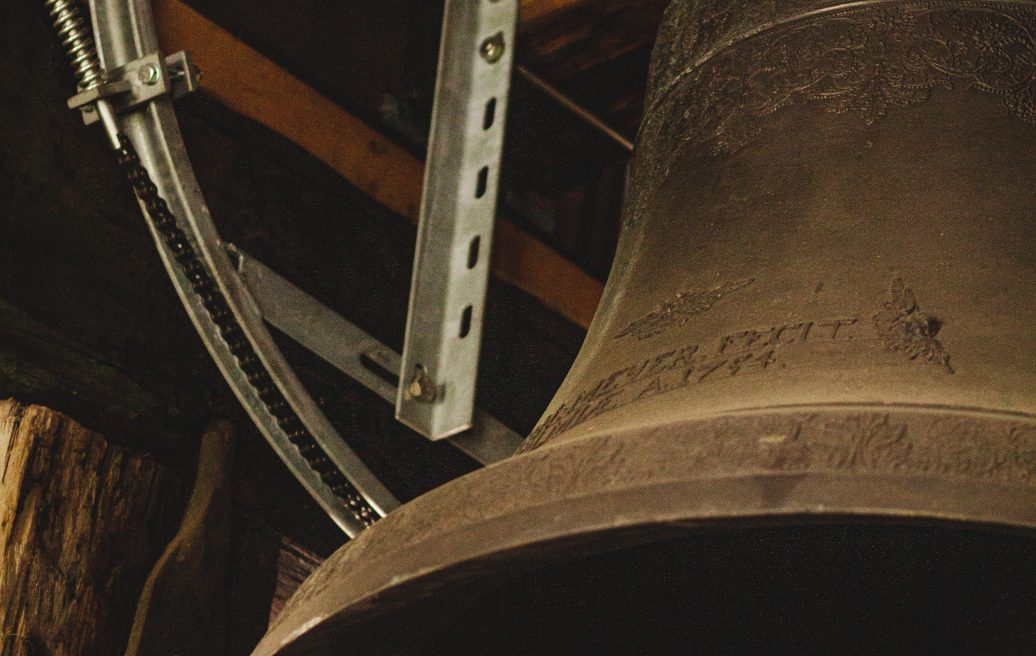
{"x": 804, "y": 417}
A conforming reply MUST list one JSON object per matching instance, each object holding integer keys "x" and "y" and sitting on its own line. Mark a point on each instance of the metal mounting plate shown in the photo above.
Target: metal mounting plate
{"x": 139, "y": 81}
{"x": 351, "y": 350}
{"x": 440, "y": 355}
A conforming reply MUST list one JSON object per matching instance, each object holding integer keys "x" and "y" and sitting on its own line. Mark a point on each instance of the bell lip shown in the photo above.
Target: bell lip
{"x": 404, "y": 552}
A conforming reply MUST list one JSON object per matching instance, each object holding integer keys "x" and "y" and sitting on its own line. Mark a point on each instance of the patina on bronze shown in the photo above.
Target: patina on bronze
{"x": 805, "y": 414}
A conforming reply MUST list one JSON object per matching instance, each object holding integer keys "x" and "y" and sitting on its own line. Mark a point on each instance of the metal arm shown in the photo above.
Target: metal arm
{"x": 226, "y": 317}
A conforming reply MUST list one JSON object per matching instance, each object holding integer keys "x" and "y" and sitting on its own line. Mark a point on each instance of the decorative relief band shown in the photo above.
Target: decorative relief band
{"x": 863, "y": 60}
{"x": 910, "y": 444}
{"x": 943, "y": 445}
{"x": 694, "y": 31}
{"x": 948, "y": 446}
{"x": 939, "y": 445}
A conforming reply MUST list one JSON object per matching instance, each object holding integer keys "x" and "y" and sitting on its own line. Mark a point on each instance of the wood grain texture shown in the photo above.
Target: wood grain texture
{"x": 531, "y": 11}
{"x": 294, "y": 565}
{"x": 252, "y": 85}
{"x": 81, "y": 521}
{"x": 579, "y": 37}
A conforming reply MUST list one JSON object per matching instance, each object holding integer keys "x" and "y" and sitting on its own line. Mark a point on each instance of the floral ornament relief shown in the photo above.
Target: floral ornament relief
{"x": 679, "y": 309}
{"x": 904, "y": 328}
{"x": 861, "y": 61}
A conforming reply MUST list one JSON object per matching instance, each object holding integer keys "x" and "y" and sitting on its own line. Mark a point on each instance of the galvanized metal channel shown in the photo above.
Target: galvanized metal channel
{"x": 436, "y": 395}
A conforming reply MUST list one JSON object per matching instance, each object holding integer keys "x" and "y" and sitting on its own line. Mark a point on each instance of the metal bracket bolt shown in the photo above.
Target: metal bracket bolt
{"x": 492, "y": 49}
{"x": 421, "y": 387}
{"x": 149, "y": 74}
{"x": 139, "y": 81}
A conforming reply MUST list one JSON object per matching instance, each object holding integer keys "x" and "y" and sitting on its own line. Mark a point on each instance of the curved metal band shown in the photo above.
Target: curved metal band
{"x": 124, "y": 31}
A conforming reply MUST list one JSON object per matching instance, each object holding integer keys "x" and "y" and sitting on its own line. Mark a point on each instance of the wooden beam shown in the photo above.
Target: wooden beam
{"x": 250, "y": 84}
{"x": 531, "y": 11}
{"x": 567, "y": 44}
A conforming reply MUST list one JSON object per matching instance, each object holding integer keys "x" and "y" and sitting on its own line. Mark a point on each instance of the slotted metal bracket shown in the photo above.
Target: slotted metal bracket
{"x": 139, "y": 81}
{"x": 436, "y": 394}
{"x": 354, "y": 352}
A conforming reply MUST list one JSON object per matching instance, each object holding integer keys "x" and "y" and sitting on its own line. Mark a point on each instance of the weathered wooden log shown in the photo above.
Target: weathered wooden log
{"x": 81, "y": 522}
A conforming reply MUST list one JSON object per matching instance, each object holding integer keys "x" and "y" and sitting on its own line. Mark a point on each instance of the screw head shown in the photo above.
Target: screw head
{"x": 416, "y": 388}
{"x": 492, "y": 49}
{"x": 149, "y": 74}
{"x": 421, "y": 388}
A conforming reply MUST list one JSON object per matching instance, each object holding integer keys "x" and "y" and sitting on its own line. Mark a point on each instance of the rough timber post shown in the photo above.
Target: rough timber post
{"x": 81, "y": 522}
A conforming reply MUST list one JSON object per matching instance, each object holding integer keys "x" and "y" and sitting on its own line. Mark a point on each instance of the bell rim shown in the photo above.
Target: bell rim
{"x": 405, "y": 551}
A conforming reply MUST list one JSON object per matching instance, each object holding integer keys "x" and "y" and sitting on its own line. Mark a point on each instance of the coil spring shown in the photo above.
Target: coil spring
{"x": 77, "y": 41}
{"x": 215, "y": 304}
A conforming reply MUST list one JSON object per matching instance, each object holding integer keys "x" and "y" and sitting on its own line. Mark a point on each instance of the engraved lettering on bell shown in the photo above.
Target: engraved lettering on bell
{"x": 735, "y": 354}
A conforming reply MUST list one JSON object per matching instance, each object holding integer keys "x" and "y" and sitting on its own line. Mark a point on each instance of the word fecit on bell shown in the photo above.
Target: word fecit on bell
{"x": 789, "y": 333}
{"x": 734, "y": 354}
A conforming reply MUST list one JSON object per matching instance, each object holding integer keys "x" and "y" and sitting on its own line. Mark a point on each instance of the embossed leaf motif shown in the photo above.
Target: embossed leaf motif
{"x": 904, "y": 328}
{"x": 866, "y": 441}
{"x": 1022, "y": 443}
{"x": 678, "y": 310}
{"x": 967, "y": 449}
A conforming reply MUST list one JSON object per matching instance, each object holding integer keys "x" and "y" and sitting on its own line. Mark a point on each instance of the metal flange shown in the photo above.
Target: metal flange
{"x": 139, "y": 81}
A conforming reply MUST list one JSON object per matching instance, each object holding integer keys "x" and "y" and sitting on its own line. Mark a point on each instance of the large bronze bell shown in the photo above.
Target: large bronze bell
{"x": 804, "y": 419}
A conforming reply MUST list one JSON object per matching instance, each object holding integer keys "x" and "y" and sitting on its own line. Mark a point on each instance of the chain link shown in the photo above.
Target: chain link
{"x": 215, "y": 303}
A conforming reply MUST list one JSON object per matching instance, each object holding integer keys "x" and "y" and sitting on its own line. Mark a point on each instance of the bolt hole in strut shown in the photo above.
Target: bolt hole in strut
{"x": 465, "y": 322}
{"x": 490, "y": 114}
{"x": 482, "y": 183}
{"x": 473, "y": 248}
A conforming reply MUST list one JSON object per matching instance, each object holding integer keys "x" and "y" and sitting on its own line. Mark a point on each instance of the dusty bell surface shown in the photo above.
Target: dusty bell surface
{"x": 805, "y": 414}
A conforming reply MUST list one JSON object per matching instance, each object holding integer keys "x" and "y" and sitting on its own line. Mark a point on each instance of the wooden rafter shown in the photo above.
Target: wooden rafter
{"x": 252, "y": 85}
{"x": 535, "y": 10}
